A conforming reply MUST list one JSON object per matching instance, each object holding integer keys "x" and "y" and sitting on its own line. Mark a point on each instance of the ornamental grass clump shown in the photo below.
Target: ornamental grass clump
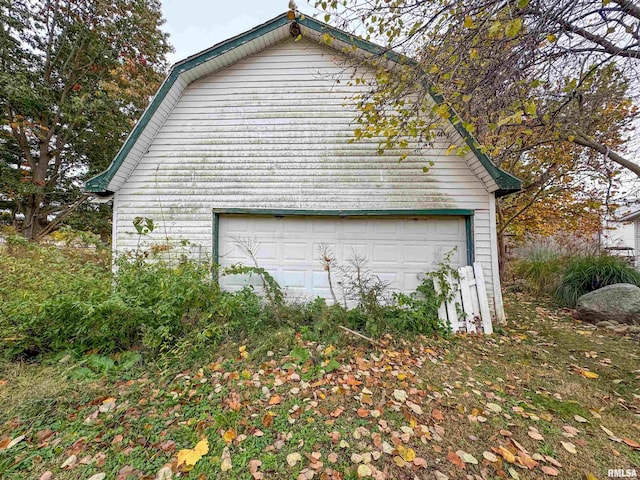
{"x": 587, "y": 273}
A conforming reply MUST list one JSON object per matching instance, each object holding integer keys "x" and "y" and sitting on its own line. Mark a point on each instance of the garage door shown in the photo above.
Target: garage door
{"x": 399, "y": 250}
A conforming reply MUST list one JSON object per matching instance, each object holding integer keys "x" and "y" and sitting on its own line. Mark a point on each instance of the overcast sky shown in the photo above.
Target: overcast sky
{"x": 198, "y": 24}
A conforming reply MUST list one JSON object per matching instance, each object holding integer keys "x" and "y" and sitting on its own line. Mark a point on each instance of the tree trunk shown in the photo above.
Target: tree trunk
{"x": 33, "y": 215}
{"x": 502, "y": 251}
{"x": 31, "y": 222}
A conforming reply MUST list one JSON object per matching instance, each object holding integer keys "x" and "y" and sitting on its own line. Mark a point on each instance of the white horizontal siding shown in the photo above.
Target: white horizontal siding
{"x": 482, "y": 246}
{"x": 636, "y": 224}
{"x": 273, "y": 131}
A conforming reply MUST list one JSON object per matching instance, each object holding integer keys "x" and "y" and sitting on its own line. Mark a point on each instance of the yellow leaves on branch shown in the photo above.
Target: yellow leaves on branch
{"x": 469, "y": 23}
{"x": 189, "y": 457}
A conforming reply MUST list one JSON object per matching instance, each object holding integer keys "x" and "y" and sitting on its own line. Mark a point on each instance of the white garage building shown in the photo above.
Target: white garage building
{"x": 249, "y": 141}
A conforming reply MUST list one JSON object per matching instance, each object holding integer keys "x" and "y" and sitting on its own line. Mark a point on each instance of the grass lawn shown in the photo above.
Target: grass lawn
{"x": 545, "y": 397}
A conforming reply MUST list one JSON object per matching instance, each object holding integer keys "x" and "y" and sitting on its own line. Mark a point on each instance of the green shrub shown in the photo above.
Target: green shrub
{"x": 587, "y": 273}
{"x": 540, "y": 274}
{"x": 418, "y": 312}
{"x": 541, "y": 260}
{"x": 52, "y": 301}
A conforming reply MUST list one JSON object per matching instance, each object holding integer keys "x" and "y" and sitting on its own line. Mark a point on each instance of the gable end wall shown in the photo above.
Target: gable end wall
{"x": 272, "y": 131}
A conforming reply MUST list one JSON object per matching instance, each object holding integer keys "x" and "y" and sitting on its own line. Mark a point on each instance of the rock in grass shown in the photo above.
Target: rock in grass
{"x": 604, "y": 324}
{"x": 619, "y": 303}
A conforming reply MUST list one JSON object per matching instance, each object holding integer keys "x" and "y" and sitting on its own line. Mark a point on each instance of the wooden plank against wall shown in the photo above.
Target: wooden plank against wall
{"x": 482, "y": 298}
{"x": 470, "y": 293}
{"x": 467, "y": 304}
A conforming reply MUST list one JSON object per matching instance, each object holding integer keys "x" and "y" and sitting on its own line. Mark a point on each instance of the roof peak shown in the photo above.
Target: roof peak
{"x": 505, "y": 182}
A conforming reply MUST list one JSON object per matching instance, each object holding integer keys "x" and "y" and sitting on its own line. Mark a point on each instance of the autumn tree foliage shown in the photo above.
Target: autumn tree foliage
{"x": 74, "y": 75}
{"x": 547, "y": 88}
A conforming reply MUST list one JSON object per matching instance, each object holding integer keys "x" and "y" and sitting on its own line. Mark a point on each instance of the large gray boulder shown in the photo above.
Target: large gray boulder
{"x": 617, "y": 304}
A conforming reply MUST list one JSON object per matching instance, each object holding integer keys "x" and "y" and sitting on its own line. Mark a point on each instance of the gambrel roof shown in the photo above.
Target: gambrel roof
{"x": 230, "y": 51}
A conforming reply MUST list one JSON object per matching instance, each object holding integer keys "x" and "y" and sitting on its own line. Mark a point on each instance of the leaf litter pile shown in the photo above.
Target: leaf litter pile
{"x": 547, "y": 398}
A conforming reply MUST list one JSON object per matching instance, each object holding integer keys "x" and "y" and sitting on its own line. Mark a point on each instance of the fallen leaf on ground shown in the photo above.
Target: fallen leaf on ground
{"x": 415, "y": 408}
{"x": 225, "y": 464}
{"x": 363, "y": 412}
{"x": 631, "y": 443}
{"x": 337, "y": 412}
{"x": 69, "y": 462}
{"x": 420, "y": 462}
{"x": 553, "y": 461}
{"x": 364, "y": 471}
{"x": 607, "y": 431}
{"x": 467, "y": 458}
{"x": 547, "y": 470}
{"x": 6, "y": 444}
{"x": 267, "y": 420}
{"x": 588, "y": 374}
{"x": 456, "y": 460}
{"x": 400, "y": 395}
{"x": 254, "y": 465}
{"x": 399, "y": 461}
{"x": 506, "y": 454}
{"x": 490, "y": 456}
{"x": 535, "y": 435}
{"x": 407, "y": 454}
{"x": 229, "y": 435}
{"x": 165, "y": 473}
{"x": 190, "y": 457}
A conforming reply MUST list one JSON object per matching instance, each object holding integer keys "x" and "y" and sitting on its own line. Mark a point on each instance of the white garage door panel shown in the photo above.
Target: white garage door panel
{"x": 397, "y": 249}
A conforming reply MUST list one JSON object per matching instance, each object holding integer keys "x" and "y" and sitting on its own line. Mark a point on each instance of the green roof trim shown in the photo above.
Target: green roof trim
{"x": 100, "y": 182}
{"x": 506, "y": 182}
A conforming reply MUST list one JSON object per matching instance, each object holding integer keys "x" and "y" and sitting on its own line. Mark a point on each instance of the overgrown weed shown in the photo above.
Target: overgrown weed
{"x": 54, "y": 301}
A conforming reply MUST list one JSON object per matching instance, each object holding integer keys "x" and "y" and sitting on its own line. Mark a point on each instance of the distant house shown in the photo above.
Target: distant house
{"x": 627, "y": 236}
{"x": 248, "y": 143}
